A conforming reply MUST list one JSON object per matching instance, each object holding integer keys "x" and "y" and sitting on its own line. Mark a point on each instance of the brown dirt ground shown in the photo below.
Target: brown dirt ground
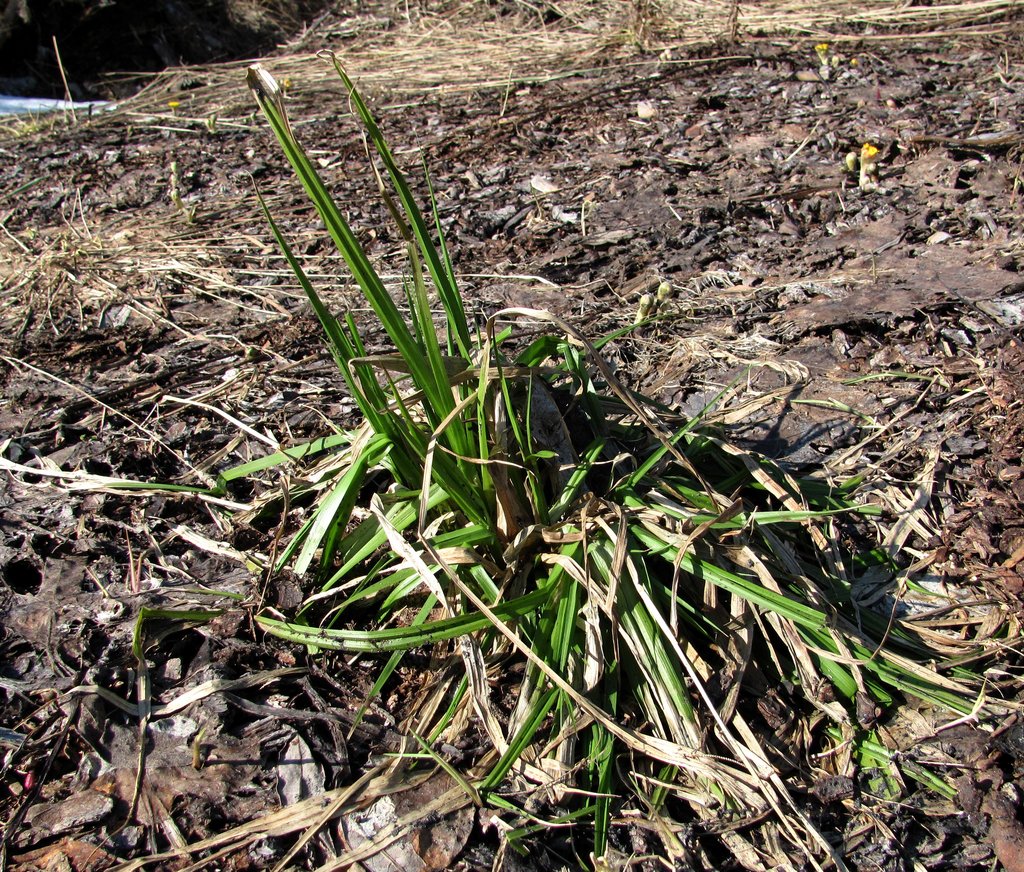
{"x": 573, "y": 179}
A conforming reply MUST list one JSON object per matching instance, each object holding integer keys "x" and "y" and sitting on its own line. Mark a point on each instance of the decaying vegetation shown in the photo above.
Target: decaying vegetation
{"x": 550, "y": 594}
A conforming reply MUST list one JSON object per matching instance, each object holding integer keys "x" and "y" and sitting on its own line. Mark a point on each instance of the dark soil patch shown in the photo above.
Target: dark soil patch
{"x": 729, "y": 184}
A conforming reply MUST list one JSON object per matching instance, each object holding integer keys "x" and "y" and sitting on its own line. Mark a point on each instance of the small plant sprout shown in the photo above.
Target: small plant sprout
{"x": 586, "y": 208}
{"x": 645, "y": 309}
{"x": 189, "y": 212}
{"x": 821, "y": 50}
{"x": 651, "y": 303}
{"x": 211, "y": 123}
{"x": 868, "y": 167}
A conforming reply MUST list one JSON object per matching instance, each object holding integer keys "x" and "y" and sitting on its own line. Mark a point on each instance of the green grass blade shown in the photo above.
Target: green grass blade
{"x": 340, "y": 345}
{"x": 305, "y": 451}
{"x": 336, "y": 508}
{"x": 602, "y": 770}
{"x": 520, "y": 742}
{"x": 400, "y": 638}
{"x": 578, "y": 478}
{"x": 752, "y": 591}
{"x": 436, "y": 266}
{"x": 456, "y": 317}
{"x": 268, "y": 96}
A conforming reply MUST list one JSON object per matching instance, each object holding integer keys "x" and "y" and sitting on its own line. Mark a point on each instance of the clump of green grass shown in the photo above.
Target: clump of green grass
{"x": 650, "y": 581}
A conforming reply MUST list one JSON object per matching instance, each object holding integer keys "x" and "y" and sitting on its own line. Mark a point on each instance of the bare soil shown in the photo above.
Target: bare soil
{"x": 138, "y": 333}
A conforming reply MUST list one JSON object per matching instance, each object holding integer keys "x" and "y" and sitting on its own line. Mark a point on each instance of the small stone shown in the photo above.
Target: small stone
{"x": 646, "y": 110}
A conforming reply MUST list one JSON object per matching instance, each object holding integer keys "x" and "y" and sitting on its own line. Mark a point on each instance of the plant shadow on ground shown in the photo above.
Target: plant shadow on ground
{"x": 921, "y": 390}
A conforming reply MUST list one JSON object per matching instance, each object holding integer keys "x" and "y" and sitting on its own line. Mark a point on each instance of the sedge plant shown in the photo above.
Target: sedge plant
{"x": 624, "y": 581}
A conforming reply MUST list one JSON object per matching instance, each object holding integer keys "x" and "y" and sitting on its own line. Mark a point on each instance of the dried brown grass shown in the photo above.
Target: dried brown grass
{"x": 411, "y": 52}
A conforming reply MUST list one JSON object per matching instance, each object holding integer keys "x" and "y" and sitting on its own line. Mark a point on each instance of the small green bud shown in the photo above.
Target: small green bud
{"x": 645, "y": 308}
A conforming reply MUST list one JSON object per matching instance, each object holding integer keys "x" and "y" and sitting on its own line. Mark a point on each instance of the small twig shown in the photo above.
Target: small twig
{"x": 275, "y": 547}
{"x": 134, "y": 570}
{"x": 508, "y": 91}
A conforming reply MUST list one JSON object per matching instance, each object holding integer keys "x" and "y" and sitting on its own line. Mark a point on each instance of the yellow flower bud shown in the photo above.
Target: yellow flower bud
{"x": 868, "y": 167}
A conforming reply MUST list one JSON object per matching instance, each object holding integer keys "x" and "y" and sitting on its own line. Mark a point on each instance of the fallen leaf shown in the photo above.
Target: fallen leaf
{"x": 1006, "y": 833}
{"x": 299, "y": 773}
{"x": 543, "y": 185}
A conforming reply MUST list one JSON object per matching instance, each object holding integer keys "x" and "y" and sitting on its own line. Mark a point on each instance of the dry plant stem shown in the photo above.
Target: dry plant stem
{"x": 449, "y": 801}
{"x": 64, "y": 79}
{"x": 333, "y": 809}
{"x": 190, "y": 697}
{"x": 269, "y": 441}
{"x": 750, "y": 787}
{"x": 80, "y": 480}
{"x": 308, "y": 814}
